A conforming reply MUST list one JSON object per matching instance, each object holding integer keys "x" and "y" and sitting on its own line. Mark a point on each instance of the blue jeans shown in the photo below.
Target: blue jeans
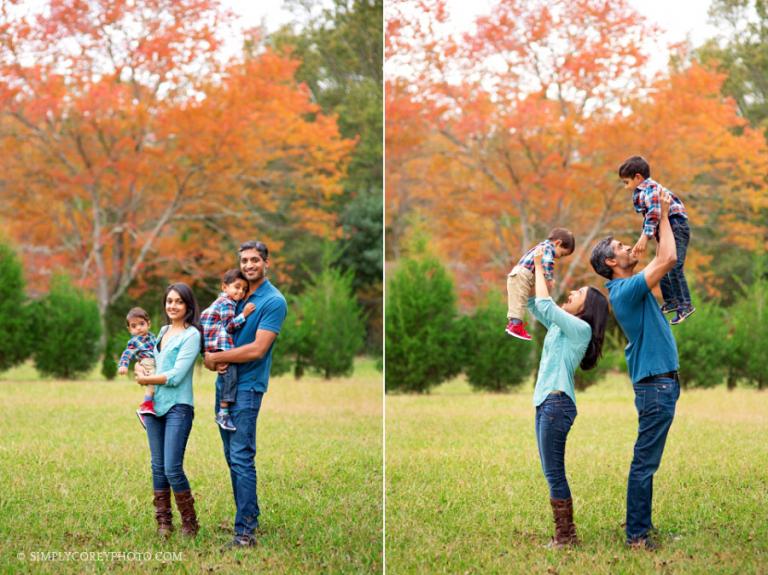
{"x": 674, "y": 287}
{"x": 655, "y": 402}
{"x": 554, "y": 418}
{"x": 226, "y": 384}
{"x": 240, "y": 453}
{"x": 168, "y": 437}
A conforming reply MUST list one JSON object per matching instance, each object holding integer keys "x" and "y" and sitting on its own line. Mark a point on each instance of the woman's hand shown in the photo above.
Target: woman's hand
{"x": 140, "y": 372}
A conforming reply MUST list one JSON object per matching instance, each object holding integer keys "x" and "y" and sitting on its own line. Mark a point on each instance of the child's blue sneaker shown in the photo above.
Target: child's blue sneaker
{"x": 668, "y": 307}
{"x": 225, "y": 421}
{"x": 682, "y": 314}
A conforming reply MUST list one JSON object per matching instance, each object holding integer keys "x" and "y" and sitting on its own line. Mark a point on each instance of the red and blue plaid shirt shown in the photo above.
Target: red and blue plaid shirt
{"x": 138, "y": 347}
{"x": 219, "y": 322}
{"x": 647, "y": 201}
{"x": 547, "y": 260}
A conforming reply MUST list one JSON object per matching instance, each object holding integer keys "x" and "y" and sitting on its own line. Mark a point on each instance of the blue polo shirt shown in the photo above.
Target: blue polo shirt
{"x": 651, "y": 349}
{"x": 269, "y": 315}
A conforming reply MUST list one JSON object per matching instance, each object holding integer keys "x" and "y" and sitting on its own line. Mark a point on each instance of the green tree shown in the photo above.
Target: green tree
{"x": 422, "y": 335}
{"x": 746, "y": 358}
{"x": 15, "y": 342}
{"x": 701, "y": 345}
{"x": 742, "y": 53}
{"x": 331, "y": 329}
{"x": 494, "y": 361}
{"x": 67, "y": 329}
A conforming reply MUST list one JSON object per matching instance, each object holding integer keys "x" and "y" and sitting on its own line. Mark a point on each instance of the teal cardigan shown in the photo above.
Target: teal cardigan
{"x": 564, "y": 348}
{"x": 176, "y": 360}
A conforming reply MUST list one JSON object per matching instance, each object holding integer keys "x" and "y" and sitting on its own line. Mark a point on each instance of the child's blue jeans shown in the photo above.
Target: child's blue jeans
{"x": 674, "y": 288}
{"x": 227, "y": 384}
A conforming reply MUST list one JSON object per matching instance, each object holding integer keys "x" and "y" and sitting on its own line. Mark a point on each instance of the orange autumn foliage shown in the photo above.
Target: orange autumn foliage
{"x": 130, "y": 147}
{"x": 519, "y": 126}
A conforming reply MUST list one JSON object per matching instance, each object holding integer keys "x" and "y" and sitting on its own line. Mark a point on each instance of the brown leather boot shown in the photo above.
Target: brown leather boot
{"x": 186, "y": 505}
{"x": 163, "y": 515}
{"x": 565, "y": 529}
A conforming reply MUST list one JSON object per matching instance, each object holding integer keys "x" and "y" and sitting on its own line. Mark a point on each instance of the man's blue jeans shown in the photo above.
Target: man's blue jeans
{"x": 240, "y": 453}
{"x": 655, "y": 402}
{"x": 168, "y": 437}
{"x": 554, "y": 418}
{"x": 674, "y": 287}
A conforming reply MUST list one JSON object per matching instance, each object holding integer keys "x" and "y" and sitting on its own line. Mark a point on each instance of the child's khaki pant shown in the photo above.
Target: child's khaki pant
{"x": 520, "y": 285}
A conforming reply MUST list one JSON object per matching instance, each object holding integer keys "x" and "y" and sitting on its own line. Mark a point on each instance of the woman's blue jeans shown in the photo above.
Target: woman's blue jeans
{"x": 168, "y": 435}
{"x": 554, "y": 418}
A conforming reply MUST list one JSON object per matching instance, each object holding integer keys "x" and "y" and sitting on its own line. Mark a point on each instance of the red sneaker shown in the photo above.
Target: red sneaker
{"x": 518, "y": 330}
{"x": 147, "y": 408}
{"x": 141, "y": 419}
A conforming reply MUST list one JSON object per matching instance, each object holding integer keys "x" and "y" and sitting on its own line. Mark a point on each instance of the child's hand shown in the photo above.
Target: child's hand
{"x": 248, "y": 309}
{"x": 122, "y": 370}
{"x": 639, "y": 248}
{"x": 538, "y": 255}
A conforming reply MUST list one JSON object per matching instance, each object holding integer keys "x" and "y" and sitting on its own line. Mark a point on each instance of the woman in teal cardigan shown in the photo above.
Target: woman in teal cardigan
{"x": 575, "y": 333}
{"x": 178, "y": 346}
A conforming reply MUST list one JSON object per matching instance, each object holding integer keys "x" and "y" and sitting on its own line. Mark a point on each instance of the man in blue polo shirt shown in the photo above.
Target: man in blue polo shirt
{"x": 253, "y": 355}
{"x": 651, "y": 358}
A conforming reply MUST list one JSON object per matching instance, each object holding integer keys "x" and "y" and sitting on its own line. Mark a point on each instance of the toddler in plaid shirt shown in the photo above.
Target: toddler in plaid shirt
{"x": 646, "y": 199}
{"x": 218, "y": 322}
{"x": 520, "y": 281}
{"x": 141, "y": 348}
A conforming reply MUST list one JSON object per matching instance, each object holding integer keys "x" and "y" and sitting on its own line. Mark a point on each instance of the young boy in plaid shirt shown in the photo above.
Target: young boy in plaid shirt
{"x": 646, "y": 193}
{"x": 520, "y": 281}
{"x": 141, "y": 348}
{"x": 218, "y": 322}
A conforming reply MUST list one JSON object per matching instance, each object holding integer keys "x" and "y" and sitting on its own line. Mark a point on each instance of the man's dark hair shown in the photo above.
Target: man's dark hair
{"x": 567, "y": 241}
{"x": 260, "y": 247}
{"x": 232, "y": 275}
{"x": 635, "y": 165}
{"x": 137, "y": 313}
{"x": 600, "y": 252}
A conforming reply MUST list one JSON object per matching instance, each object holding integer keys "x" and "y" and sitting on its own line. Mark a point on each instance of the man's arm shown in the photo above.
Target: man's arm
{"x": 253, "y": 351}
{"x": 666, "y": 254}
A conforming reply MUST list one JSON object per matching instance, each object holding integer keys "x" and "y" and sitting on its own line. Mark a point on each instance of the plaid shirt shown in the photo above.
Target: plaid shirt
{"x": 218, "y": 322}
{"x": 139, "y": 347}
{"x": 647, "y": 201}
{"x": 547, "y": 261}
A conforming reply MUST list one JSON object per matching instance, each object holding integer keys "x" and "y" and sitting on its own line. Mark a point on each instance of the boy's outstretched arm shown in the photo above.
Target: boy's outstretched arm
{"x": 666, "y": 254}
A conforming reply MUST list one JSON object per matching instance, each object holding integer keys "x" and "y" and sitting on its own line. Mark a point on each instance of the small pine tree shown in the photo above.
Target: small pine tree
{"x": 701, "y": 346}
{"x": 15, "y": 338}
{"x": 497, "y": 362}
{"x": 108, "y": 363}
{"x": 422, "y": 337}
{"x": 68, "y": 328}
{"x": 746, "y": 358}
{"x": 331, "y": 329}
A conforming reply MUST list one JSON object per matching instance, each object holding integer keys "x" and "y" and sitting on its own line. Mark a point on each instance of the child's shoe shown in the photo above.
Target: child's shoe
{"x": 668, "y": 307}
{"x": 225, "y": 422}
{"x": 141, "y": 419}
{"x": 518, "y": 330}
{"x": 682, "y": 314}
{"x": 147, "y": 408}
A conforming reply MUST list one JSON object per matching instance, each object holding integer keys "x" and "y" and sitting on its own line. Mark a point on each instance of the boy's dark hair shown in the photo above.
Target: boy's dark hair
{"x": 232, "y": 275}
{"x": 260, "y": 247}
{"x": 600, "y": 252}
{"x": 136, "y": 313}
{"x": 635, "y": 165}
{"x": 567, "y": 241}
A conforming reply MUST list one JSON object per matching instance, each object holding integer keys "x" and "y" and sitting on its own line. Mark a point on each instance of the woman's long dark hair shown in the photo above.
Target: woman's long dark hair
{"x": 595, "y": 313}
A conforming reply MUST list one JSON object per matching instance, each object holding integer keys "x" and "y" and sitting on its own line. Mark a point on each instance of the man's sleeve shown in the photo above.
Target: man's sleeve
{"x": 274, "y": 315}
{"x": 631, "y": 290}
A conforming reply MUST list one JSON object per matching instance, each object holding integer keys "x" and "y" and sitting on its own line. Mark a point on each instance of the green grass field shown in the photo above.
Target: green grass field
{"x": 466, "y": 494}
{"x": 75, "y": 477}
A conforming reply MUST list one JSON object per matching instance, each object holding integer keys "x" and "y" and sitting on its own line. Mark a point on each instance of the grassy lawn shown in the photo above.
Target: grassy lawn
{"x": 466, "y": 494}
{"x": 75, "y": 477}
